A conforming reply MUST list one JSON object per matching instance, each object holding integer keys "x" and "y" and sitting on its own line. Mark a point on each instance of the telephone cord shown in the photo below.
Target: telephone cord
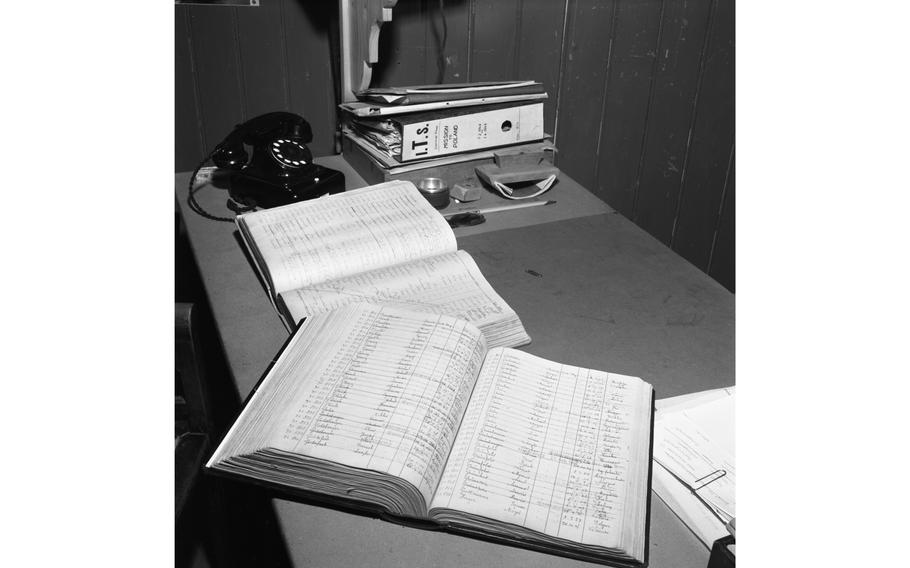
{"x": 194, "y": 205}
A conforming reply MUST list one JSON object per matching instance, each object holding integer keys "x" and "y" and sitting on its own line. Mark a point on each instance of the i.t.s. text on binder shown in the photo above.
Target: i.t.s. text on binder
{"x": 422, "y": 135}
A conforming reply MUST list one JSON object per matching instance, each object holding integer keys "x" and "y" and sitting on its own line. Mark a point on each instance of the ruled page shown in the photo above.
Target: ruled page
{"x": 347, "y": 233}
{"x": 547, "y": 447}
{"x": 449, "y": 284}
{"x": 379, "y": 388}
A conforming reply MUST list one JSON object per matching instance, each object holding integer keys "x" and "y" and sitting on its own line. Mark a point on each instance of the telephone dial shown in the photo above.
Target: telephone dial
{"x": 279, "y": 170}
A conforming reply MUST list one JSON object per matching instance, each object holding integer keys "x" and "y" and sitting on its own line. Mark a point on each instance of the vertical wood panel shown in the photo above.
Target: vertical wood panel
{"x": 540, "y": 49}
{"x": 263, "y": 58}
{"x": 403, "y": 47}
{"x": 457, "y": 21}
{"x": 495, "y": 42}
{"x": 310, "y": 75}
{"x": 641, "y": 92}
{"x": 585, "y": 65}
{"x": 722, "y": 266}
{"x": 188, "y": 144}
{"x": 670, "y": 115}
{"x": 634, "y": 53}
{"x": 217, "y": 71}
{"x": 712, "y": 138}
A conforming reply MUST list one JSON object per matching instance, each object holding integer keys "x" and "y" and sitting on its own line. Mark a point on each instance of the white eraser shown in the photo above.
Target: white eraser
{"x": 467, "y": 190}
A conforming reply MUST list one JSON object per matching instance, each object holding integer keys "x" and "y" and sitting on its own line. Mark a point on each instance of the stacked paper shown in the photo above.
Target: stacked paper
{"x": 694, "y": 467}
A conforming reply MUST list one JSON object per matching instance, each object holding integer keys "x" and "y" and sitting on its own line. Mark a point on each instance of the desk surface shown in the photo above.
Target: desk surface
{"x": 591, "y": 288}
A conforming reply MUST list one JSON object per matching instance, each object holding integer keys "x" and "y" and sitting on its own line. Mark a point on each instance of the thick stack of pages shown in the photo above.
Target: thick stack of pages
{"x": 412, "y": 415}
{"x": 383, "y": 244}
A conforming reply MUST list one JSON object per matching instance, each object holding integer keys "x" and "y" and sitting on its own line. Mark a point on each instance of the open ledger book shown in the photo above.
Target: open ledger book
{"x": 382, "y": 244}
{"x": 410, "y": 415}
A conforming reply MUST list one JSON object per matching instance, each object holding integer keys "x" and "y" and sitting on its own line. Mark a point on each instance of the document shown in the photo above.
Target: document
{"x": 344, "y": 234}
{"x": 411, "y": 414}
{"x": 694, "y": 460}
{"x": 381, "y": 109}
{"x": 400, "y": 416}
{"x": 550, "y": 449}
{"x": 382, "y": 244}
{"x": 449, "y": 283}
{"x": 418, "y": 94}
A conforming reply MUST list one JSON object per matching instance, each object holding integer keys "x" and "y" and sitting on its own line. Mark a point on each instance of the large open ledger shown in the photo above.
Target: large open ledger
{"x": 411, "y": 415}
{"x": 382, "y": 244}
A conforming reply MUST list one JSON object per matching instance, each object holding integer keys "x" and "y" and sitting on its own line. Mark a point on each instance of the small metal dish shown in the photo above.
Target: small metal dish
{"x": 435, "y": 190}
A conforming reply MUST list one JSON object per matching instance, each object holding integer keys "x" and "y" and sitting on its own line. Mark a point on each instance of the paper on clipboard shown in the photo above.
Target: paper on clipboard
{"x": 694, "y": 468}
{"x": 418, "y": 94}
{"x": 366, "y": 109}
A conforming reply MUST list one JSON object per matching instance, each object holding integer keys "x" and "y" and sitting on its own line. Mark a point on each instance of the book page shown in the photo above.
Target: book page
{"x": 347, "y": 233}
{"x": 548, "y": 447}
{"x": 449, "y": 284}
{"x": 373, "y": 388}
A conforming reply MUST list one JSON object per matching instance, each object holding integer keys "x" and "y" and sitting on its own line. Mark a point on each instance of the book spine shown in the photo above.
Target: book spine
{"x": 469, "y": 132}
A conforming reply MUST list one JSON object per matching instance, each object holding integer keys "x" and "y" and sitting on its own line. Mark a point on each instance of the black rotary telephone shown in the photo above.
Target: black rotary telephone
{"x": 280, "y": 169}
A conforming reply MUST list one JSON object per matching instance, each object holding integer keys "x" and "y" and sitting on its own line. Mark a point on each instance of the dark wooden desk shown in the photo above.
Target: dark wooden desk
{"x": 592, "y": 290}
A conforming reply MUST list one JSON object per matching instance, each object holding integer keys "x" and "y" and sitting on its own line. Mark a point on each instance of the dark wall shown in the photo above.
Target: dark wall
{"x": 641, "y": 91}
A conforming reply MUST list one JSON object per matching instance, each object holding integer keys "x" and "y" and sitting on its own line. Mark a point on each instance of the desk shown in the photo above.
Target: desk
{"x": 592, "y": 290}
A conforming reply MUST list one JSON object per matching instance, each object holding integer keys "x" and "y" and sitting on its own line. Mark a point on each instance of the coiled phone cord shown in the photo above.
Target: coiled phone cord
{"x": 194, "y": 205}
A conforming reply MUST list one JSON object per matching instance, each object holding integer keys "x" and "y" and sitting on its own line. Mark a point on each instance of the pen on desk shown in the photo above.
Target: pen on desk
{"x": 519, "y": 205}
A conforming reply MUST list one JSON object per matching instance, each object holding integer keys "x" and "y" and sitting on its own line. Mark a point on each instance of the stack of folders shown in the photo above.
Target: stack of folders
{"x": 400, "y": 130}
{"x": 694, "y": 469}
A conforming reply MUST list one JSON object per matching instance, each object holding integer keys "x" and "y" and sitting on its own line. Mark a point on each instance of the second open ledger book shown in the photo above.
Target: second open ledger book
{"x": 382, "y": 244}
{"x": 412, "y": 415}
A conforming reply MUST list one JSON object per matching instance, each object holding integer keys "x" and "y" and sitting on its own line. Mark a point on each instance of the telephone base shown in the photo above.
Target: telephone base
{"x": 257, "y": 192}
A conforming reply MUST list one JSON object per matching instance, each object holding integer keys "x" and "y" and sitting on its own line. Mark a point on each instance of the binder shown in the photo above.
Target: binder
{"x": 374, "y": 166}
{"x": 422, "y": 135}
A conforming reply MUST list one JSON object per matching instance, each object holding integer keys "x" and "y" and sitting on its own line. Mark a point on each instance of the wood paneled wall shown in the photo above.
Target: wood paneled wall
{"x": 641, "y": 91}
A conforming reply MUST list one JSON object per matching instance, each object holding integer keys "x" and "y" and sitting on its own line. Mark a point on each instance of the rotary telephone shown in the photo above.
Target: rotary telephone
{"x": 280, "y": 168}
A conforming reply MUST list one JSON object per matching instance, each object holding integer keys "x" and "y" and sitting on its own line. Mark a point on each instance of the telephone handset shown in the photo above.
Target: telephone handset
{"x": 280, "y": 169}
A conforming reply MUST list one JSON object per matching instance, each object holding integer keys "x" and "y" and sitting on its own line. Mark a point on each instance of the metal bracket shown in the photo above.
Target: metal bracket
{"x": 361, "y": 21}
